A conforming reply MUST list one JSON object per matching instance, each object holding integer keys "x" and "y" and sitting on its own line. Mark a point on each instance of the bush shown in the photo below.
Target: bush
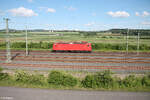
{"x": 104, "y": 36}
{"x": 22, "y": 76}
{"x": 144, "y": 47}
{"x": 132, "y": 47}
{"x": 104, "y": 79}
{"x": 55, "y": 78}
{"x": 59, "y": 78}
{"x": 45, "y": 45}
{"x": 95, "y": 46}
{"x": 34, "y": 45}
{"x": 2, "y": 45}
{"x": 132, "y": 81}
{"x": 89, "y": 82}
{"x": 69, "y": 80}
{"x": 3, "y": 76}
{"x": 146, "y": 80}
{"x": 18, "y": 45}
{"x": 36, "y": 79}
{"x": 100, "y": 80}
{"x": 101, "y": 46}
{"x": 40, "y": 45}
{"x": 1, "y": 69}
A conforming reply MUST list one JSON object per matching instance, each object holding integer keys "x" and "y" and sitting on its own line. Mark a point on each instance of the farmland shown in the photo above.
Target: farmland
{"x": 73, "y": 36}
{"x": 105, "y": 39}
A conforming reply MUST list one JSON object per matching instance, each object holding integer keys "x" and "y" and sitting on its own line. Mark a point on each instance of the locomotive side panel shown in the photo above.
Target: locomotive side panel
{"x": 72, "y": 47}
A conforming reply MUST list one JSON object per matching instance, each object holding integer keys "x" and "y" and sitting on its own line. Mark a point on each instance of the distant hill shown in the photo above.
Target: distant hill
{"x": 113, "y": 31}
{"x": 131, "y": 31}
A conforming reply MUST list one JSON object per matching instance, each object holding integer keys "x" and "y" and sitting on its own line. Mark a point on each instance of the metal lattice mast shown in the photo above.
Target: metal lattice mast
{"x": 26, "y": 42}
{"x": 127, "y": 41}
{"x": 138, "y": 44}
{"x": 8, "y": 54}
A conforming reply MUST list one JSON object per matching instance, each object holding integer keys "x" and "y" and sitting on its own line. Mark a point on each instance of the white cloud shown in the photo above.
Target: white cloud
{"x": 145, "y": 13}
{"x": 119, "y": 14}
{"x": 21, "y": 11}
{"x": 51, "y": 10}
{"x": 90, "y": 24}
{"x": 30, "y": 1}
{"x": 70, "y": 8}
{"x": 137, "y": 13}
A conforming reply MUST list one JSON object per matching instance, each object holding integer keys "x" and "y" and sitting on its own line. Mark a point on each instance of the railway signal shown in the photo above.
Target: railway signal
{"x": 8, "y": 54}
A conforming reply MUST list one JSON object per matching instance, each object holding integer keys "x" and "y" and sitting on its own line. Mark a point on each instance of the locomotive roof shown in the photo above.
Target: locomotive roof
{"x": 83, "y": 42}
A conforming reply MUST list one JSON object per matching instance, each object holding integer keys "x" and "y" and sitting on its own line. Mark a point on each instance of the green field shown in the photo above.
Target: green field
{"x": 103, "y": 38}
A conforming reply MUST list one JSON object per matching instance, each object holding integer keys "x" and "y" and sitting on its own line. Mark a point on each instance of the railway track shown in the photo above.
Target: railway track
{"x": 79, "y": 67}
{"x": 118, "y": 54}
{"x": 114, "y": 61}
{"x": 81, "y": 59}
{"x": 72, "y": 60}
{"x": 78, "y": 57}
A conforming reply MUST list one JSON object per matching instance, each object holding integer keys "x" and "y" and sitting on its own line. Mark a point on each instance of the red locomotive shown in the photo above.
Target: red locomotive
{"x": 72, "y": 47}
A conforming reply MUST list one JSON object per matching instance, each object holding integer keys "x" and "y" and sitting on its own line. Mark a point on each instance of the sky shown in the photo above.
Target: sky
{"x": 75, "y": 14}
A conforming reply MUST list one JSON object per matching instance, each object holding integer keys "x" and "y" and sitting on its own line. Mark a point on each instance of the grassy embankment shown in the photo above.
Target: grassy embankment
{"x": 76, "y": 81}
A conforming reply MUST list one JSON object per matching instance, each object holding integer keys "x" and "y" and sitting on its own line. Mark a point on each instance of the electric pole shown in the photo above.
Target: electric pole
{"x": 8, "y": 54}
{"x": 138, "y": 43}
{"x": 26, "y": 42}
{"x": 127, "y": 41}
